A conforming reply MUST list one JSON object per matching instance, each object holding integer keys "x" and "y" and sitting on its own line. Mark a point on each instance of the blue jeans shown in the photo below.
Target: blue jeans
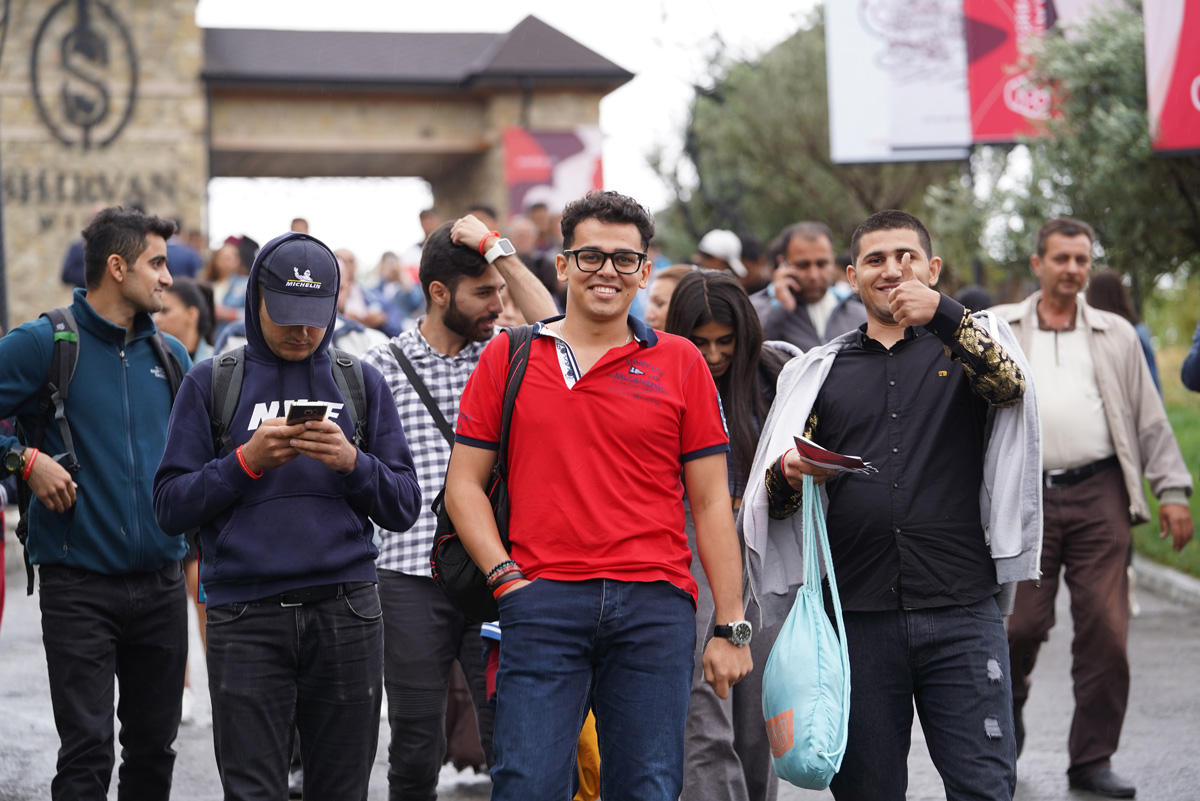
{"x": 95, "y": 627}
{"x": 316, "y": 668}
{"x": 952, "y": 661}
{"x": 625, "y": 648}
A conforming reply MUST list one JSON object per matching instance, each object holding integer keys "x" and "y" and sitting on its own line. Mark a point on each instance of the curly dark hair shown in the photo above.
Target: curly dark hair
{"x": 608, "y": 207}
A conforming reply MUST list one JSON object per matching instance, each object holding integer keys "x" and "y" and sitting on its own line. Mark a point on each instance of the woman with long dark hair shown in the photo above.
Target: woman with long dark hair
{"x": 711, "y": 309}
{"x": 727, "y": 754}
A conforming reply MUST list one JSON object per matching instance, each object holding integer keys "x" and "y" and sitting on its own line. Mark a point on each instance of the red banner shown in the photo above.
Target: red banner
{"x": 551, "y": 167}
{"x": 1173, "y": 73}
{"x": 1004, "y": 101}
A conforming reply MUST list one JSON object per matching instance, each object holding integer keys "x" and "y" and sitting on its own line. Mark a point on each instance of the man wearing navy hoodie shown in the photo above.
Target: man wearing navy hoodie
{"x": 112, "y": 596}
{"x": 295, "y": 633}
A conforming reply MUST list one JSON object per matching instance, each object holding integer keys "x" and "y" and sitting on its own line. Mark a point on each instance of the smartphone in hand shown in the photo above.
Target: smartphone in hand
{"x": 303, "y": 412}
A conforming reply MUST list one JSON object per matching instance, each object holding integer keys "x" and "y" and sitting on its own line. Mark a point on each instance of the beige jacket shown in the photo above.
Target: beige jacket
{"x": 1142, "y": 436}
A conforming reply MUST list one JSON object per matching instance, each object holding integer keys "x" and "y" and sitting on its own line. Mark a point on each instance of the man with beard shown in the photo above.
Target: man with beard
{"x": 464, "y": 266}
{"x": 799, "y": 306}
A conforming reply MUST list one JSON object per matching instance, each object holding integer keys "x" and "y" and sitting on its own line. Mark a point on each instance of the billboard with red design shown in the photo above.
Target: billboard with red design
{"x": 1173, "y": 74}
{"x": 551, "y": 167}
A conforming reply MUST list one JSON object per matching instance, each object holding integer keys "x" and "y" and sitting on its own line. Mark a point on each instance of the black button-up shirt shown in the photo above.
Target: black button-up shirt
{"x": 910, "y": 535}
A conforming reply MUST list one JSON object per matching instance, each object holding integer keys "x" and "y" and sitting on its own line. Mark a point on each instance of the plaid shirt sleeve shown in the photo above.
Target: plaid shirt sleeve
{"x": 446, "y": 377}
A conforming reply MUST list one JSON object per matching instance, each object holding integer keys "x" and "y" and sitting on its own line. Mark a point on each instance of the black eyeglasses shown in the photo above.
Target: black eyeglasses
{"x": 591, "y": 260}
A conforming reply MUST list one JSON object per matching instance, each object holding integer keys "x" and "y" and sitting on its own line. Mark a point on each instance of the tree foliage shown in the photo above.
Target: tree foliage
{"x": 756, "y": 146}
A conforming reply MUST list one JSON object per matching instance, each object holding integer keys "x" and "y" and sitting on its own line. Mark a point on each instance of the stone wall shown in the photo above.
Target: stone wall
{"x": 101, "y": 103}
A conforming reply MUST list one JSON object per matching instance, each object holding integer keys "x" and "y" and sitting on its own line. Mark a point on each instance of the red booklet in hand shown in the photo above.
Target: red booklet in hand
{"x": 813, "y": 453}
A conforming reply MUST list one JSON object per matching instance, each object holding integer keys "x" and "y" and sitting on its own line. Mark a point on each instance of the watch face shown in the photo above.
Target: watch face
{"x": 742, "y": 632}
{"x": 12, "y": 461}
{"x": 506, "y": 247}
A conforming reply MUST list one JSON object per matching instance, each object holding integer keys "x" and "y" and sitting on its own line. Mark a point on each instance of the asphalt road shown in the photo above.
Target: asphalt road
{"x": 1158, "y": 748}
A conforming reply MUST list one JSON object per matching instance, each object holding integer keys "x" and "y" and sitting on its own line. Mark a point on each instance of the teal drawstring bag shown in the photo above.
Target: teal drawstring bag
{"x": 806, "y": 683}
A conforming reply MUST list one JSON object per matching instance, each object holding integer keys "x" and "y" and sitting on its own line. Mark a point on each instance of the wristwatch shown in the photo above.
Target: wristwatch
{"x": 502, "y": 248}
{"x": 14, "y": 459}
{"x": 738, "y": 632}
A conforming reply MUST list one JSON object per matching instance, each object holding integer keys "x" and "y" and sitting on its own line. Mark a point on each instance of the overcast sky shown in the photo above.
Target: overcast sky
{"x": 664, "y": 42}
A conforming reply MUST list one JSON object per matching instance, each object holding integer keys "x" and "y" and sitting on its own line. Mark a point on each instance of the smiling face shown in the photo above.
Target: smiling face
{"x": 605, "y": 294}
{"x": 147, "y": 279}
{"x": 291, "y": 343}
{"x": 877, "y": 271}
{"x": 716, "y": 342}
{"x": 1064, "y": 269}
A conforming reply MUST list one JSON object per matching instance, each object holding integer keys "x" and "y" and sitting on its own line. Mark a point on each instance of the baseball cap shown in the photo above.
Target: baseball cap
{"x": 726, "y": 246}
{"x": 299, "y": 279}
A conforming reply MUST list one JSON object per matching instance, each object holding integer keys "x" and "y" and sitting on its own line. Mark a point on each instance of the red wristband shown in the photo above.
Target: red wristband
{"x": 29, "y": 464}
{"x": 483, "y": 242}
{"x": 499, "y": 590}
{"x": 242, "y": 461}
{"x": 781, "y": 458}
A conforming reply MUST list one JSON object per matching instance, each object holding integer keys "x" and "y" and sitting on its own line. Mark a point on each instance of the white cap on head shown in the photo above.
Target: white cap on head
{"x": 726, "y": 246}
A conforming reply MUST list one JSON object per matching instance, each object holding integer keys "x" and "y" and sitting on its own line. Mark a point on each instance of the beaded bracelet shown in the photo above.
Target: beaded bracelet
{"x": 500, "y": 566}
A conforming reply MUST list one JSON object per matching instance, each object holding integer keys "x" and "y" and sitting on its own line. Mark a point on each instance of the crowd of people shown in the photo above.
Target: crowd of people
{"x": 274, "y": 459}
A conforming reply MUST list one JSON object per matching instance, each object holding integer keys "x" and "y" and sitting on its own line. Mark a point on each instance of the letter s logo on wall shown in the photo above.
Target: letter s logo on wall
{"x": 84, "y": 73}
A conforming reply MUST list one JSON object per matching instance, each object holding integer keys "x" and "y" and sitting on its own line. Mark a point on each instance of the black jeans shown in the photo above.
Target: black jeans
{"x": 318, "y": 668}
{"x": 424, "y": 635}
{"x": 133, "y": 627}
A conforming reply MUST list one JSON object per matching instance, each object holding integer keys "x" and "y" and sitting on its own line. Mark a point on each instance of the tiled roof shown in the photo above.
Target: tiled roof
{"x": 531, "y": 52}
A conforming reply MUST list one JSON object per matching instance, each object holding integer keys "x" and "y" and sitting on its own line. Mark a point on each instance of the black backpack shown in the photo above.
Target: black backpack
{"x": 52, "y": 406}
{"x": 230, "y": 368}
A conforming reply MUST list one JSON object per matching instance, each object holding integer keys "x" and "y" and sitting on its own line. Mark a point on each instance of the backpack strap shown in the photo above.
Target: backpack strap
{"x": 227, "y": 372}
{"x": 348, "y": 373}
{"x": 229, "y": 369}
{"x": 170, "y": 362}
{"x": 414, "y": 379}
{"x": 63, "y": 360}
{"x": 519, "y": 339}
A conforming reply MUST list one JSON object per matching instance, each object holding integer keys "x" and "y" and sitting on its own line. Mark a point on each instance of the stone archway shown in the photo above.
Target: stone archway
{"x": 119, "y": 101}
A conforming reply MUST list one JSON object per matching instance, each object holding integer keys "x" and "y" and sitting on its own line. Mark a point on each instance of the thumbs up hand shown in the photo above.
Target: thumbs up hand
{"x": 912, "y": 301}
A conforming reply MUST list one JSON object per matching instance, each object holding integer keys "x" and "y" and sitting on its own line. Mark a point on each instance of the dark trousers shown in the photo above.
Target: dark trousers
{"x": 950, "y": 662}
{"x": 424, "y": 635}
{"x": 1086, "y": 536}
{"x": 315, "y": 668}
{"x": 133, "y": 627}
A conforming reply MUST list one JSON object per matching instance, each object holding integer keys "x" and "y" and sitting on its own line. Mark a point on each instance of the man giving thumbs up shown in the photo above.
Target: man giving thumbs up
{"x": 912, "y": 392}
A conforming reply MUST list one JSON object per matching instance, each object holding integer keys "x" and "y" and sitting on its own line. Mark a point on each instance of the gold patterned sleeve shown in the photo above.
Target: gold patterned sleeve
{"x": 992, "y": 373}
{"x": 783, "y": 500}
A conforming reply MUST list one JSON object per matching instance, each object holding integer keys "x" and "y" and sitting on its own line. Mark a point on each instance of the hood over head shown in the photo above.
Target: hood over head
{"x": 297, "y": 276}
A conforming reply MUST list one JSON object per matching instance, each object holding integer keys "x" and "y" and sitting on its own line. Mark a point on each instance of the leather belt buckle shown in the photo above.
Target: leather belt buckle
{"x": 1049, "y": 476}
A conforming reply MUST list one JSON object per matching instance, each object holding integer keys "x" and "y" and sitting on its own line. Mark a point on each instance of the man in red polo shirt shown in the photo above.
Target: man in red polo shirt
{"x": 614, "y": 421}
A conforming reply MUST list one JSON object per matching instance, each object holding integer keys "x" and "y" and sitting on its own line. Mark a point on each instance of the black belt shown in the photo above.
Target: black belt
{"x": 312, "y": 595}
{"x": 1065, "y": 478}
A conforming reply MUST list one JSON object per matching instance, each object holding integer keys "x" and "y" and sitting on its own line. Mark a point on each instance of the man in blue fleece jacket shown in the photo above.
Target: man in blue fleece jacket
{"x": 295, "y": 633}
{"x": 111, "y": 590}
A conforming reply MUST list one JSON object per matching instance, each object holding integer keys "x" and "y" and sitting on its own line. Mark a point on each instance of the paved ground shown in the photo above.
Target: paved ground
{"x": 1158, "y": 749}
